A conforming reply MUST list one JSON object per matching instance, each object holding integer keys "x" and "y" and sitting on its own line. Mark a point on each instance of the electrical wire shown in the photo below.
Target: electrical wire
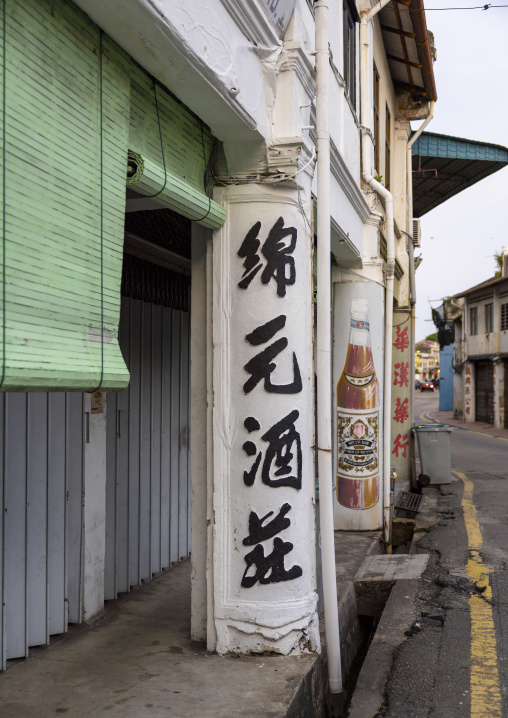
{"x": 205, "y": 178}
{"x": 473, "y": 7}
{"x": 149, "y": 196}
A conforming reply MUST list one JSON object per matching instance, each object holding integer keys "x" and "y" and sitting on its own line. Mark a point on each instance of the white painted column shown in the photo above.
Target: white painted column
{"x": 264, "y": 573}
{"x": 469, "y": 393}
{"x": 94, "y": 506}
{"x": 366, "y": 514}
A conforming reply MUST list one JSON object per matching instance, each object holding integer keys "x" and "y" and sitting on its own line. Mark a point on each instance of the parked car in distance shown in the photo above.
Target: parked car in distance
{"x": 427, "y": 386}
{"x": 418, "y": 384}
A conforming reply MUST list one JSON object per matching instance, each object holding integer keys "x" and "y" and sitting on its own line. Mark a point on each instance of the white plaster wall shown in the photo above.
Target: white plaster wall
{"x": 94, "y": 511}
{"x": 203, "y": 54}
{"x": 482, "y": 343}
{"x": 345, "y": 214}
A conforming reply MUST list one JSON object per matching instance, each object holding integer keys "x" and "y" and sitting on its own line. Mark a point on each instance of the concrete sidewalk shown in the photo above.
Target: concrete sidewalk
{"x": 446, "y": 417}
{"x": 138, "y": 660}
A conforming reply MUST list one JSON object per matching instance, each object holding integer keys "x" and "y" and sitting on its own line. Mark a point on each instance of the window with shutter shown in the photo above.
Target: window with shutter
{"x": 504, "y": 317}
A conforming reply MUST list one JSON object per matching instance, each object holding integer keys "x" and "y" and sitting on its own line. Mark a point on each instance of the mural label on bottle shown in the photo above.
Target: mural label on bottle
{"x": 357, "y": 440}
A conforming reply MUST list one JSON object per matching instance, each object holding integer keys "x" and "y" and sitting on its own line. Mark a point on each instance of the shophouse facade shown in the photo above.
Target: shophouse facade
{"x": 158, "y": 299}
{"x": 481, "y": 355}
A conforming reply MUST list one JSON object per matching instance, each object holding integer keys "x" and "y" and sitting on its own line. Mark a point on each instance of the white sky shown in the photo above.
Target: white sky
{"x": 460, "y": 236}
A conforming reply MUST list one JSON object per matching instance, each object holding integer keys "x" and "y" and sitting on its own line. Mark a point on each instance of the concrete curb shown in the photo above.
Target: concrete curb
{"x": 397, "y": 618}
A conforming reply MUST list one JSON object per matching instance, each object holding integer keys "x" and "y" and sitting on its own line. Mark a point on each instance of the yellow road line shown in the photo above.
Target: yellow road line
{"x": 484, "y": 678}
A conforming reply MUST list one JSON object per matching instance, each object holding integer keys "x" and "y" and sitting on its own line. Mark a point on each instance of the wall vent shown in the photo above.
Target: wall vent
{"x": 416, "y": 233}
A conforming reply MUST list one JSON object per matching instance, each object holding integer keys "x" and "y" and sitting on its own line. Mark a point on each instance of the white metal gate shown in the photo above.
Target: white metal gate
{"x": 41, "y": 483}
{"x": 147, "y": 489}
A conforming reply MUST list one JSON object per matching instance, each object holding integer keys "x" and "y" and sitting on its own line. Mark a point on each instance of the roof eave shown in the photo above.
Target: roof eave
{"x": 417, "y": 12}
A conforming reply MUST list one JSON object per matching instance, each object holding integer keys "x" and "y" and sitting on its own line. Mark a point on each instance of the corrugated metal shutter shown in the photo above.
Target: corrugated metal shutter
{"x": 41, "y": 488}
{"x": 484, "y": 391}
{"x": 60, "y": 91}
{"x": 174, "y": 171}
{"x": 147, "y": 494}
{"x": 446, "y": 378}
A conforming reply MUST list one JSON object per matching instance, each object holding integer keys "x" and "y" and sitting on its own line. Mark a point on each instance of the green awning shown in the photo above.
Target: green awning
{"x": 169, "y": 150}
{"x": 443, "y": 166}
{"x": 61, "y": 232}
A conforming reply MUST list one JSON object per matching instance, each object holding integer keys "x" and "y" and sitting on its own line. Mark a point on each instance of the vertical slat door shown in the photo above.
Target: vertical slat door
{"x": 148, "y": 504}
{"x": 484, "y": 391}
{"x": 41, "y": 438}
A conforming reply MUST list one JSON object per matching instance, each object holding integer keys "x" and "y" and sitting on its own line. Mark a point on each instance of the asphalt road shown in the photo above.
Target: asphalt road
{"x": 455, "y": 663}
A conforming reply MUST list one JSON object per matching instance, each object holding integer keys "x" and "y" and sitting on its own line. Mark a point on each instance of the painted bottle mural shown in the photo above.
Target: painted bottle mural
{"x": 358, "y": 417}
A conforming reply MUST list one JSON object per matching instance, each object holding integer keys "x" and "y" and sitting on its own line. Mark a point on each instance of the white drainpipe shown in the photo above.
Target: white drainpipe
{"x": 412, "y": 279}
{"x": 323, "y": 352}
{"x": 365, "y": 112}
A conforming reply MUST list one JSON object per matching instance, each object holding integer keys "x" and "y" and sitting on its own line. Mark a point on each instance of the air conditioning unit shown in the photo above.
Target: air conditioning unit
{"x": 417, "y": 233}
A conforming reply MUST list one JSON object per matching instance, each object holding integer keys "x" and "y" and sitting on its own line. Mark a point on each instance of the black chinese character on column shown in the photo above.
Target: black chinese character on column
{"x": 268, "y": 569}
{"x": 273, "y": 565}
{"x": 261, "y": 366}
{"x": 279, "y": 264}
{"x": 283, "y": 454}
{"x": 259, "y": 532}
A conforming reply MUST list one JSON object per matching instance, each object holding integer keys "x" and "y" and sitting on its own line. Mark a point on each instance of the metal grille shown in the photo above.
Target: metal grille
{"x": 151, "y": 283}
{"x": 504, "y": 317}
{"x": 408, "y": 502}
{"x": 163, "y": 227}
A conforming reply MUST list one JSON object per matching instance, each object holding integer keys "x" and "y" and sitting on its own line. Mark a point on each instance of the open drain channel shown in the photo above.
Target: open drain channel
{"x": 373, "y": 582}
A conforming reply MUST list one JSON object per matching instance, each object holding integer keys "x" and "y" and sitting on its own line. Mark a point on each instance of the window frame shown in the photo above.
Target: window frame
{"x": 376, "y": 101}
{"x": 489, "y": 318}
{"x": 349, "y": 51}
{"x": 473, "y": 321}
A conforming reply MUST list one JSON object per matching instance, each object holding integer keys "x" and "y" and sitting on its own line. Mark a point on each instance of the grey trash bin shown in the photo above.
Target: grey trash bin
{"x": 434, "y": 450}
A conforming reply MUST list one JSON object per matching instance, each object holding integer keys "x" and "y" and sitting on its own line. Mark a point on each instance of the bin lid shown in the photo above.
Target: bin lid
{"x": 432, "y": 427}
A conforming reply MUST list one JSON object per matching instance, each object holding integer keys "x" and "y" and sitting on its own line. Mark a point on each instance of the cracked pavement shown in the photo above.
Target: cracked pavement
{"x": 431, "y": 671}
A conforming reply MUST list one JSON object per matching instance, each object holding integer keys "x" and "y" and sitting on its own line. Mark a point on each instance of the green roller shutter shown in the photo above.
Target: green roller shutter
{"x": 60, "y": 273}
{"x": 173, "y": 170}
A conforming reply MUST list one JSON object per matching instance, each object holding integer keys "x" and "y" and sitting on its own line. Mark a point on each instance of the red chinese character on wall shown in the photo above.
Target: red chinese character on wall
{"x": 401, "y": 374}
{"x": 401, "y": 411}
{"x": 402, "y": 341}
{"x": 400, "y": 444}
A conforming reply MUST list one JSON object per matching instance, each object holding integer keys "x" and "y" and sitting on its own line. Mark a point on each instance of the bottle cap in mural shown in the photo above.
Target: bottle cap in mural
{"x": 359, "y": 307}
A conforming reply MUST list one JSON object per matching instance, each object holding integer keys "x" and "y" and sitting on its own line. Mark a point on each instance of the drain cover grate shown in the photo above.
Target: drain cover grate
{"x": 408, "y": 502}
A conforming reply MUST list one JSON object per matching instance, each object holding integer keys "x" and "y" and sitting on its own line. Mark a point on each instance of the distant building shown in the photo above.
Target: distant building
{"x": 426, "y": 360}
{"x": 481, "y": 351}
